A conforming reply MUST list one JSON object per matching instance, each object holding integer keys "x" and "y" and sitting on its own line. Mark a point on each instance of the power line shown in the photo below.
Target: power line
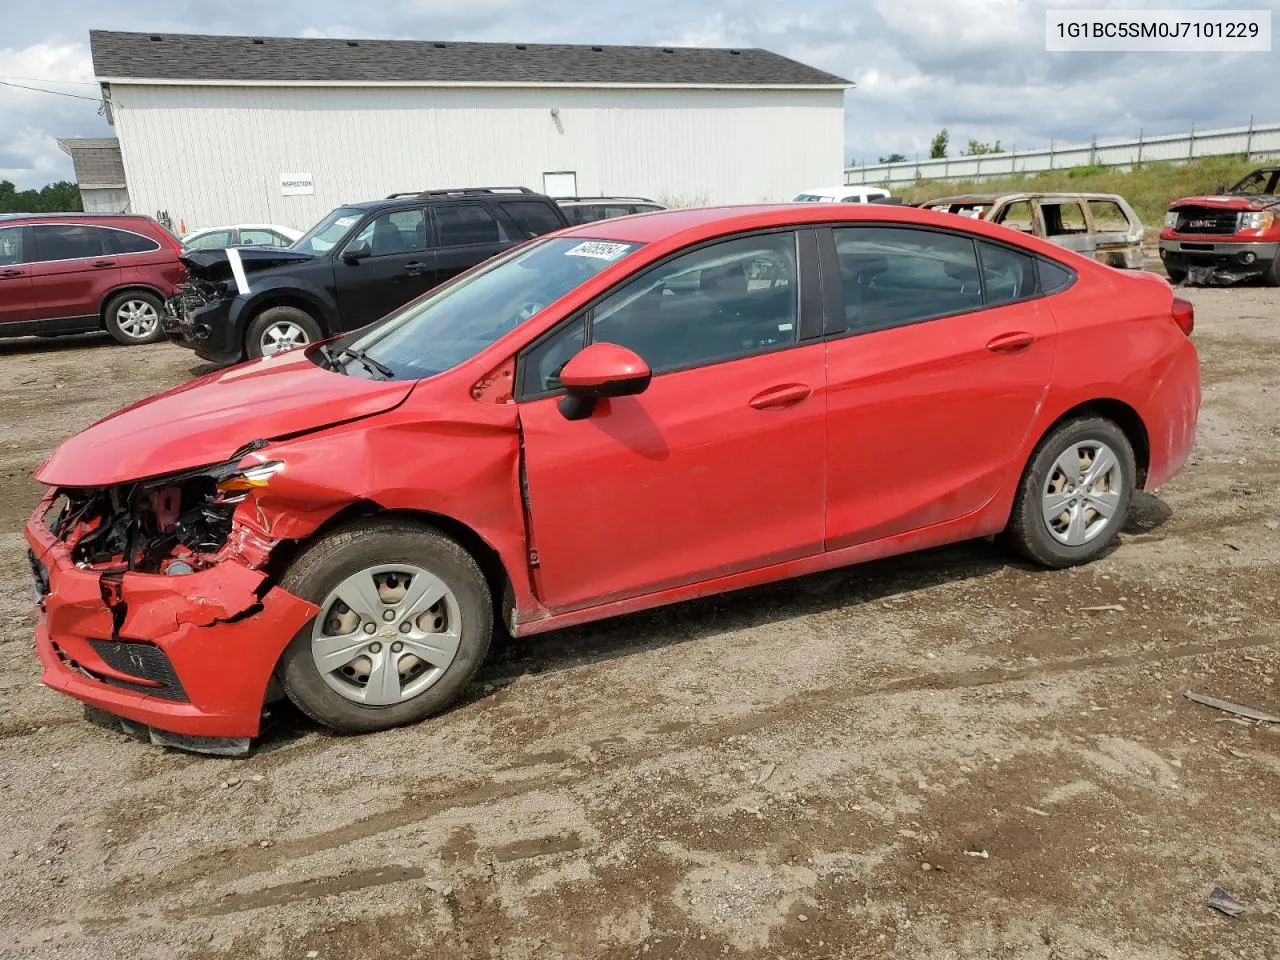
{"x": 82, "y": 83}
{"x": 58, "y": 93}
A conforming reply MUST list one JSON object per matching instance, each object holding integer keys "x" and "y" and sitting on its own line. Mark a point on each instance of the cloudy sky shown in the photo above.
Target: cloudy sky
{"x": 977, "y": 67}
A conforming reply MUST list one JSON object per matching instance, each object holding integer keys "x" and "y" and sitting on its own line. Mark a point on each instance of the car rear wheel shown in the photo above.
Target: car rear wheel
{"x": 405, "y": 621}
{"x": 277, "y": 329}
{"x": 134, "y": 317}
{"x": 1074, "y": 496}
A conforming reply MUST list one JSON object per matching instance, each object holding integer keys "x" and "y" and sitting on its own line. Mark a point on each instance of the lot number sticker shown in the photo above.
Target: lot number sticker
{"x": 598, "y": 250}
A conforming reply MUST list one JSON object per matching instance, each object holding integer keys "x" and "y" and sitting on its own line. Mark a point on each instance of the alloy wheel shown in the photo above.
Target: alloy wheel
{"x": 137, "y": 319}
{"x": 281, "y": 336}
{"x": 1082, "y": 493}
{"x": 385, "y": 634}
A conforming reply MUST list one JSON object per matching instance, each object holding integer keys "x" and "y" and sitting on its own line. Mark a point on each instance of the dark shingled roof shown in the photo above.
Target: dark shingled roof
{"x": 167, "y": 56}
{"x": 97, "y": 161}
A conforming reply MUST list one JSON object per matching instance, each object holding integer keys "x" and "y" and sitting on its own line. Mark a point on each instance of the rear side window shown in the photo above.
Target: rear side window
{"x": 465, "y": 223}
{"x": 1108, "y": 217}
{"x": 66, "y": 241}
{"x": 213, "y": 240}
{"x": 532, "y": 217}
{"x": 262, "y": 238}
{"x": 11, "y": 246}
{"x": 1007, "y": 274}
{"x": 1017, "y": 216}
{"x": 122, "y": 241}
{"x": 1054, "y": 276}
{"x": 1063, "y": 219}
{"x": 892, "y": 276}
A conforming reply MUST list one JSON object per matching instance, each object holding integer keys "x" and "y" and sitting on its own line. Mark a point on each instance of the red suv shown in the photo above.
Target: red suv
{"x": 78, "y": 272}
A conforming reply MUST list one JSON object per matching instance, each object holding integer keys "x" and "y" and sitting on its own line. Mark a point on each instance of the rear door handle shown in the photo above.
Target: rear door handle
{"x": 1011, "y": 342}
{"x": 414, "y": 267}
{"x": 779, "y": 398}
{"x": 104, "y": 263}
{"x": 10, "y": 273}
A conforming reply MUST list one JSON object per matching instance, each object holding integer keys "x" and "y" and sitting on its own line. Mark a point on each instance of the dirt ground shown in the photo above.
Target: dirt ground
{"x": 945, "y": 755}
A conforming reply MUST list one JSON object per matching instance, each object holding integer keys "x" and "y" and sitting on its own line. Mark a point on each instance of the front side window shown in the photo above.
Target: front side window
{"x": 328, "y": 233}
{"x": 66, "y": 241}
{"x": 11, "y": 246}
{"x": 400, "y": 231}
{"x": 461, "y": 224}
{"x": 213, "y": 240}
{"x": 730, "y": 299}
{"x": 893, "y": 276}
{"x": 456, "y": 321}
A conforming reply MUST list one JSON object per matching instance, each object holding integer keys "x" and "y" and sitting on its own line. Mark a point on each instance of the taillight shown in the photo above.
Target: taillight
{"x": 1184, "y": 315}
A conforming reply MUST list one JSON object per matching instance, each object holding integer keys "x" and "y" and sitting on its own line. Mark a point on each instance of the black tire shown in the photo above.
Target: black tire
{"x": 366, "y": 543}
{"x": 1028, "y": 531}
{"x": 1271, "y": 275}
{"x": 115, "y": 317}
{"x": 275, "y": 317}
{"x": 1176, "y": 275}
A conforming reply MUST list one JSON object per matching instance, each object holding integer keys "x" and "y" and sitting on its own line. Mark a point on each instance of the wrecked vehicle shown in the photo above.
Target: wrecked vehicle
{"x": 625, "y": 414}
{"x": 359, "y": 263}
{"x": 1226, "y": 238}
{"x": 1099, "y": 225}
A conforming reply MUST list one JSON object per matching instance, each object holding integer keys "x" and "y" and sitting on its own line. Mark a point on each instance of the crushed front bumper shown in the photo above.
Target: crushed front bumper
{"x": 207, "y": 327}
{"x": 1218, "y": 262}
{"x": 190, "y": 656}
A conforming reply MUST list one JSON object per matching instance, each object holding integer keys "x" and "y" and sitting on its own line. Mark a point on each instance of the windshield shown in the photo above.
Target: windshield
{"x": 1258, "y": 182}
{"x": 459, "y": 320}
{"x": 326, "y": 234}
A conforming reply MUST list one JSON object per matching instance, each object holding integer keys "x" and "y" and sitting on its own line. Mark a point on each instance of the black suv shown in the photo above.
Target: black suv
{"x": 582, "y": 210}
{"x": 356, "y": 265}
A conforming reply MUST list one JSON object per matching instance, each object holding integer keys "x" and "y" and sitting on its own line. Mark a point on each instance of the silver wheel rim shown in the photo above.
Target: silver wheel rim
{"x": 386, "y": 634}
{"x": 137, "y": 319}
{"x": 281, "y": 336}
{"x": 1082, "y": 494}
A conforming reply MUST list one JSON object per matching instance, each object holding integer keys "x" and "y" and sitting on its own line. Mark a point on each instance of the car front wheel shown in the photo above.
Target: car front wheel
{"x": 277, "y": 329}
{"x": 134, "y": 317}
{"x": 404, "y": 623}
{"x": 1074, "y": 496}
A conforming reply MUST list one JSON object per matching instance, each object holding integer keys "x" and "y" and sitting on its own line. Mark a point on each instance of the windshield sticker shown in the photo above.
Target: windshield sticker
{"x": 345, "y": 221}
{"x": 598, "y": 250}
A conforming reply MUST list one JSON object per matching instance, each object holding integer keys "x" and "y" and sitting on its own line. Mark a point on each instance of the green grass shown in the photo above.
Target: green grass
{"x": 1149, "y": 188}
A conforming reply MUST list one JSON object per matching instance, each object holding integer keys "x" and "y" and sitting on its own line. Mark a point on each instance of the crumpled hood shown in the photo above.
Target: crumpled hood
{"x": 208, "y": 419}
{"x": 216, "y": 264}
{"x": 1228, "y": 202}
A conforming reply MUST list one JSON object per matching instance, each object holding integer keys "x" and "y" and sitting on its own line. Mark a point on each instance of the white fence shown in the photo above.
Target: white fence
{"x": 1254, "y": 140}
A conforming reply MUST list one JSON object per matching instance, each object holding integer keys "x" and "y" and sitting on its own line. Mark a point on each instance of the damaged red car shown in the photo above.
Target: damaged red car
{"x": 616, "y": 416}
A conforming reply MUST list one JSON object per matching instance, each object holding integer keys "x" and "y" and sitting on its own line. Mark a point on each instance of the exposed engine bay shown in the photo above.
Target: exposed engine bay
{"x": 195, "y": 294}
{"x": 172, "y": 525}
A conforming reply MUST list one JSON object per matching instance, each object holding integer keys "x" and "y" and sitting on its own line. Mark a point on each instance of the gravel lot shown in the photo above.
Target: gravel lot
{"x": 803, "y": 770}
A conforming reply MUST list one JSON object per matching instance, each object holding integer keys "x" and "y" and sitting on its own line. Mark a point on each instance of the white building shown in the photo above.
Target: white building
{"x": 281, "y": 130}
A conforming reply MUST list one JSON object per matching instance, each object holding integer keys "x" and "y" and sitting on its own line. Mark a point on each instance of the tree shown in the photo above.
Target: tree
{"x": 894, "y": 158}
{"x": 60, "y": 197}
{"x": 938, "y": 147}
{"x": 977, "y": 148}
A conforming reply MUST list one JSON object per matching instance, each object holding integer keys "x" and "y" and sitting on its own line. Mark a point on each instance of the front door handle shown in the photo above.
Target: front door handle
{"x": 779, "y": 398}
{"x": 104, "y": 263}
{"x": 10, "y": 273}
{"x": 414, "y": 268}
{"x": 1011, "y": 342}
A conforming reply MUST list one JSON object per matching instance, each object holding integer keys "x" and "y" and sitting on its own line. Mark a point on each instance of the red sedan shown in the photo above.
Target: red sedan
{"x": 617, "y": 416}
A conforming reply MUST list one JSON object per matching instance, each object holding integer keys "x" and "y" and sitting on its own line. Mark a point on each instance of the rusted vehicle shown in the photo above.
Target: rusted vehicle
{"x": 1226, "y": 238}
{"x": 1098, "y": 225}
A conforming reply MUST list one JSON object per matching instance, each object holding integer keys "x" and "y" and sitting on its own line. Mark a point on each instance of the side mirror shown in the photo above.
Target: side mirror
{"x": 356, "y": 252}
{"x": 599, "y": 371}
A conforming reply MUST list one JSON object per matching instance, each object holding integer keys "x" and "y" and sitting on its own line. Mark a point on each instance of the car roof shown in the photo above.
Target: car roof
{"x": 694, "y": 223}
{"x": 74, "y": 215}
{"x": 584, "y": 200}
{"x": 242, "y": 226}
{"x": 1024, "y": 195}
{"x": 847, "y": 188}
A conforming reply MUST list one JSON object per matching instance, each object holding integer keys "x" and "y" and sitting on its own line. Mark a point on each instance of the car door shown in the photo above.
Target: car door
{"x": 17, "y": 296}
{"x": 718, "y": 466}
{"x": 466, "y": 234}
{"x": 934, "y": 380}
{"x": 1066, "y": 225}
{"x": 399, "y": 267}
{"x": 72, "y": 271}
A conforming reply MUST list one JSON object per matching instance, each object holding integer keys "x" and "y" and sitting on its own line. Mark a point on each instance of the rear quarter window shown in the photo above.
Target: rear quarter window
{"x": 1108, "y": 217}
{"x": 533, "y": 217}
{"x": 122, "y": 241}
